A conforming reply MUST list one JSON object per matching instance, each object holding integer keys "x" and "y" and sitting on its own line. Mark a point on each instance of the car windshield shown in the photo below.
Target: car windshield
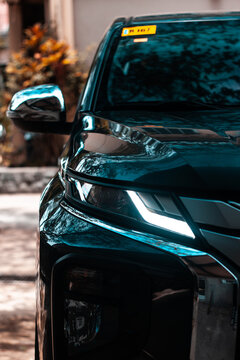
{"x": 190, "y": 62}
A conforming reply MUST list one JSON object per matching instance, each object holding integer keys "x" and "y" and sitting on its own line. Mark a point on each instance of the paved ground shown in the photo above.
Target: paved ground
{"x": 18, "y": 223}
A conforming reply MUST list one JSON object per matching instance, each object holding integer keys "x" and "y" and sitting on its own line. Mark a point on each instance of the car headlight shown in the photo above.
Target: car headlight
{"x": 162, "y": 221}
{"x": 125, "y": 207}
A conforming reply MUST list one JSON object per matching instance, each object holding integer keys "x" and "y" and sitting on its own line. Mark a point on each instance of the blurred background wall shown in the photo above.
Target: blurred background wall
{"x": 90, "y": 18}
{"x": 83, "y": 22}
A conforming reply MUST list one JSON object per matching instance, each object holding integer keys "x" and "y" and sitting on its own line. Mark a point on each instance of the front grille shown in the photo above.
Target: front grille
{"x": 112, "y": 306}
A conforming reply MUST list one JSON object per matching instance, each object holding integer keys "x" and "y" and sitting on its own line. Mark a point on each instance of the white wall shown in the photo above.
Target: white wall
{"x": 61, "y": 17}
{"x": 91, "y": 17}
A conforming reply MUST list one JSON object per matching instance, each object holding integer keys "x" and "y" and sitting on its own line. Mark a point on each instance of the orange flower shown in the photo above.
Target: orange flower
{"x": 51, "y": 59}
{"x": 31, "y": 42}
{"x": 52, "y": 45}
{"x": 68, "y": 61}
{"x": 37, "y": 56}
{"x": 77, "y": 74}
{"x": 26, "y": 83}
{"x": 10, "y": 69}
{"x": 36, "y": 30}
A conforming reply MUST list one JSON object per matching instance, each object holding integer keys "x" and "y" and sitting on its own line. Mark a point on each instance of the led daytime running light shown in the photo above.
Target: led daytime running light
{"x": 164, "y": 222}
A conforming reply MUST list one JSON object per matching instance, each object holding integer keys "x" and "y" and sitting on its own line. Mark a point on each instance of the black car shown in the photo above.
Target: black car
{"x": 139, "y": 241}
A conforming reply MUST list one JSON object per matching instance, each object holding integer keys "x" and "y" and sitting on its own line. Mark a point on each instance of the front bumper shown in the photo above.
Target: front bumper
{"x": 173, "y": 302}
{"x": 158, "y": 317}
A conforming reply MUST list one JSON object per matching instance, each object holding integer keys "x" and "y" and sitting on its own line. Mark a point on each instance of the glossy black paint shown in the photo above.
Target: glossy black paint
{"x": 65, "y": 242}
{"x": 190, "y": 286}
{"x": 206, "y": 160}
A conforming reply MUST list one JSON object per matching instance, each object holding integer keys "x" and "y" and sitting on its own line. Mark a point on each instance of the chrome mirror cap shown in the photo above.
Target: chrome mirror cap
{"x": 49, "y": 94}
{"x": 39, "y": 109}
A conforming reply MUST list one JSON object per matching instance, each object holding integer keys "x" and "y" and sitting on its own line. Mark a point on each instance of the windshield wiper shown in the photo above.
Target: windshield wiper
{"x": 211, "y": 106}
{"x": 167, "y": 106}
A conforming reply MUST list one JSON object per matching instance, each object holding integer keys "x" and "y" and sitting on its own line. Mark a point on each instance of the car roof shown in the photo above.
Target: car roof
{"x": 178, "y": 17}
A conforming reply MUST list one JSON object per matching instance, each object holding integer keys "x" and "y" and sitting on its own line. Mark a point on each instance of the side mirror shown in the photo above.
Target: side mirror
{"x": 39, "y": 109}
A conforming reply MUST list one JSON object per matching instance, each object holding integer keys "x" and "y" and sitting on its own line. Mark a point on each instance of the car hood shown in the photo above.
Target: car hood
{"x": 187, "y": 152}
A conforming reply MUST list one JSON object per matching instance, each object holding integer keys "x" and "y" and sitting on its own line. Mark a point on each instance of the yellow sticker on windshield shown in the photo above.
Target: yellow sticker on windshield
{"x": 139, "y": 30}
